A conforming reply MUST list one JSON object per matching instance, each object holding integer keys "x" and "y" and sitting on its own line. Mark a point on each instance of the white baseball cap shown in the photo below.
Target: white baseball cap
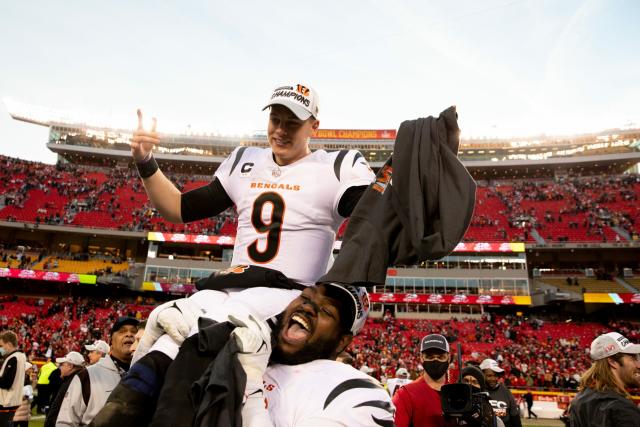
{"x": 100, "y": 346}
{"x": 72, "y": 357}
{"x": 359, "y": 307}
{"x": 491, "y": 364}
{"x": 402, "y": 371}
{"x": 366, "y": 369}
{"x": 612, "y": 343}
{"x": 299, "y": 98}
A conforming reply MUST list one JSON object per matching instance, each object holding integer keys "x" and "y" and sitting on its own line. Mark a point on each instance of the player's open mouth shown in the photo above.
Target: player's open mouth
{"x": 298, "y": 329}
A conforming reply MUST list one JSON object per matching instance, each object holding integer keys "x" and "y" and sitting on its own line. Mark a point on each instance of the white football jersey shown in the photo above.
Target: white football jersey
{"x": 288, "y": 215}
{"x": 325, "y": 392}
{"x": 394, "y": 383}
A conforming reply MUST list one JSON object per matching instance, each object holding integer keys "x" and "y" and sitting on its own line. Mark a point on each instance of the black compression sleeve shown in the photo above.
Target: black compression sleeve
{"x": 349, "y": 200}
{"x": 9, "y": 374}
{"x": 204, "y": 202}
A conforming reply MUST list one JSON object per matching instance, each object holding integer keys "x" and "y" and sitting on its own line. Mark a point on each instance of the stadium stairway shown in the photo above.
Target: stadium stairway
{"x": 635, "y": 283}
{"x": 40, "y": 264}
{"x": 550, "y": 289}
{"x": 622, "y": 233}
{"x": 624, "y": 283}
{"x": 538, "y": 238}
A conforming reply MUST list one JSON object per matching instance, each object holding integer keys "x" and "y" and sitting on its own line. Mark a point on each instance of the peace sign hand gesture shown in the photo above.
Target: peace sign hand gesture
{"x": 143, "y": 142}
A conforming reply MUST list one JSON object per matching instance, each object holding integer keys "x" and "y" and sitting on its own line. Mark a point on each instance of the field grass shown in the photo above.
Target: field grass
{"x": 541, "y": 423}
{"x": 36, "y": 421}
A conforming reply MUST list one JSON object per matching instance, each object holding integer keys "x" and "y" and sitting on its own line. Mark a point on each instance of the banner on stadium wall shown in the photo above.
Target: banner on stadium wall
{"x": 48, "y": 276}
{"x": 473, "y": 247}
{"x": 174, "y": 288}
{"x": 611, "y": 298}
{"x": 489, "y": 247}
{"x": 391, "y": 298}
{"x": 201, "y": 239}
{"x": 355, "y": 134}
{"x": 88, "y": 279}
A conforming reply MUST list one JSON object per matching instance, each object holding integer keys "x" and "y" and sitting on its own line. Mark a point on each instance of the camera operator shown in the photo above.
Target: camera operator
{"x": 484, "y": 417}
{"x": 418, "y": 403}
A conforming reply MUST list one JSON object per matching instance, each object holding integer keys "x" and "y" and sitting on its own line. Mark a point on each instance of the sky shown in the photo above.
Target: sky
{"x": 512, "y": 68}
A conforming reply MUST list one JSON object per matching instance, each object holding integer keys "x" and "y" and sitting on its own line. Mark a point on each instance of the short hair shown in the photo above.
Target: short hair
{"x": 345, "y": 358}
{"x": 600, "y": 377}
{"x": 9, "y": 337}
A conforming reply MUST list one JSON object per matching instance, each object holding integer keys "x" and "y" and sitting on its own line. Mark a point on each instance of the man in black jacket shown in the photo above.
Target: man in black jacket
{"x": 604, "y": 400}
{"x": 528, "y": 397}
{"x": 503, "y": 403}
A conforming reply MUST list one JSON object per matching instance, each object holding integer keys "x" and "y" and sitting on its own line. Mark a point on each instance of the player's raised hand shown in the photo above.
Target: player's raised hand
{"x": 143, "y": 142}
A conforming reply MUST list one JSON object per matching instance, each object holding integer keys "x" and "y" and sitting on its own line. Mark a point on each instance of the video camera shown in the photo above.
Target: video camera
{"x": 465, "y": 406}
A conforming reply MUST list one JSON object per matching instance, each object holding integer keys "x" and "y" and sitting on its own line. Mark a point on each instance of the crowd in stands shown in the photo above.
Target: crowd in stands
{"x": 533, "y": 353}
{"x": 51, "y": 328}
{"x": 112, "y": 198}
{"x": 563, "y": 209}
{"x": 595, "y": 208}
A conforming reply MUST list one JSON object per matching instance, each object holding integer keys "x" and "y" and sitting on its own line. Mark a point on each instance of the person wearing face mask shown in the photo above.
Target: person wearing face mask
{"x": 418, "y": 403}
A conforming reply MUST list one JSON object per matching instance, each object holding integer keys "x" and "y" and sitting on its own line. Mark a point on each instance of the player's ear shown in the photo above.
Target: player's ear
{"x": 315, "y": 126}
{"x": 344, "y": 343}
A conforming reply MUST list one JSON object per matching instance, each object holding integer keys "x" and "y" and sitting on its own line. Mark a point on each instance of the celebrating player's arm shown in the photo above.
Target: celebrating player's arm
{"x": 176, "y": 207}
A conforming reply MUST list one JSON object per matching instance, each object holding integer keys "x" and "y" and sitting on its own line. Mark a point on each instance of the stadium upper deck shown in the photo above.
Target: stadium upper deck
{"x": 612, "y": 151}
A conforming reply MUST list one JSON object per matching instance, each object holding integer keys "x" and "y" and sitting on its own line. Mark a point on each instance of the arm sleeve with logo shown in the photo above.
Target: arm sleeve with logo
{"x": 73, "y": 407}
{"x": 354, "y": 172}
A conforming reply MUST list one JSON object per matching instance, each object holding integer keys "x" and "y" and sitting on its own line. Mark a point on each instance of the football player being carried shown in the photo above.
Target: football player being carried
{"x": 290, "y": 203}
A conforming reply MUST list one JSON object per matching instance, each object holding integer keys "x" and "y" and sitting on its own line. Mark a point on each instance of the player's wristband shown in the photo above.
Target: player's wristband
{"x": 147, "y": 167}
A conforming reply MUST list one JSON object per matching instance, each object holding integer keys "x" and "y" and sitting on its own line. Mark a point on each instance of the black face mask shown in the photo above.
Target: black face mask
{"x": 435, "y": 369}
